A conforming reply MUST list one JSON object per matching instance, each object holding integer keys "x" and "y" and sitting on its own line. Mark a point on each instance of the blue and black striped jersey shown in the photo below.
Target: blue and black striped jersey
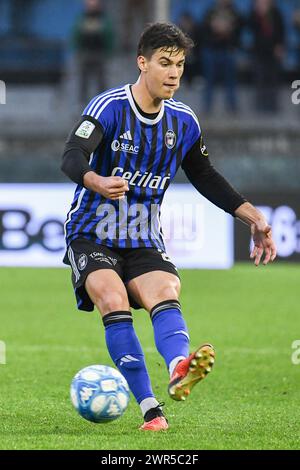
{"x": 147, "y": 153}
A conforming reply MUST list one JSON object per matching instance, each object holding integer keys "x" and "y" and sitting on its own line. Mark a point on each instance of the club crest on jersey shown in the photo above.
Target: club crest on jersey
{"x": 82, "y": 261}
{"x": 170, "y": 139}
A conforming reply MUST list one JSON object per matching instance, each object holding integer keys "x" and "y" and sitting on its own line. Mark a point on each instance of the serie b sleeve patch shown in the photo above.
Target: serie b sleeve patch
{"x": 85, "y": 129}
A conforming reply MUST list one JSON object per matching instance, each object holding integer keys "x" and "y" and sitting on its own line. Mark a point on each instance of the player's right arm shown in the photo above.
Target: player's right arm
{"x": 83, "y": 140}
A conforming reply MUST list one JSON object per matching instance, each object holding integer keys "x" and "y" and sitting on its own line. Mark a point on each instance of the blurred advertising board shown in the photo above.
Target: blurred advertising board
{"x": 283, "y": 213}
{"x": 32, "y": 216}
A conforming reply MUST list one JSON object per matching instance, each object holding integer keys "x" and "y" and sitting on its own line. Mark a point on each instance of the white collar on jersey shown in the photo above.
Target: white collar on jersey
{"x": 136, "y": 112}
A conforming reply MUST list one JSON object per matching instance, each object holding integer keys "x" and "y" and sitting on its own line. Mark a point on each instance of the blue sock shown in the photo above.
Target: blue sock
{"x": 126, "y": 352}
{"x": 170, "y": 332}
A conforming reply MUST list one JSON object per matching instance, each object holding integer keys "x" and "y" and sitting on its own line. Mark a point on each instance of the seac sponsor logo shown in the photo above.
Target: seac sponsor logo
{"x": 117, "y": 146}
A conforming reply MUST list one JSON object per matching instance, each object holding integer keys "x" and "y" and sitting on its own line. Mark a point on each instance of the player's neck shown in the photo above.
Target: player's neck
{"x": 143, "y": 97}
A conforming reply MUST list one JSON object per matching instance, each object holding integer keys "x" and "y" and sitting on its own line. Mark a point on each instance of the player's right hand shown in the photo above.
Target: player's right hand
{"x": 110, "y": 187}
{"x": 113, "y": 187}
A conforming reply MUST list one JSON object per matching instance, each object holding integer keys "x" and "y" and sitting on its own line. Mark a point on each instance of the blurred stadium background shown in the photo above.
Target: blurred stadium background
{"x": 254, "y": 141}
{"x": 255, "y": 145}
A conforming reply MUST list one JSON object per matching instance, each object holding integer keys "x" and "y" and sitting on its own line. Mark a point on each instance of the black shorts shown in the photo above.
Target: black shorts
{"x": 85, "y": 256}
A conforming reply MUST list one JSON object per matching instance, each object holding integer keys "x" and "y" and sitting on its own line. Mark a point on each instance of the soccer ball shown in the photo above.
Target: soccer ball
{"x": 99, "y": 393}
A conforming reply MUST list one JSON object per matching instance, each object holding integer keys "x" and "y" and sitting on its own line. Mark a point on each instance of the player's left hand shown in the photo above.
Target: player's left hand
{"x": 263, "y": 243}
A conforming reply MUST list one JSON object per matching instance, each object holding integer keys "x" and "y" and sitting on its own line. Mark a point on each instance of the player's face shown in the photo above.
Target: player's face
{"x": 163, "y": 72}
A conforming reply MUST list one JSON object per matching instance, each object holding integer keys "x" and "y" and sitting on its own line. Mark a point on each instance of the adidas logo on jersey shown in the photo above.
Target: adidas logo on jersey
{"x": 127, "y": 135}
{"x": 123, "y": 146}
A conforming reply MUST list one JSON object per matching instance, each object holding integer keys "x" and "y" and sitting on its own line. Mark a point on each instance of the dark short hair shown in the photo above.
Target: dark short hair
{"x": 163, "y": 35}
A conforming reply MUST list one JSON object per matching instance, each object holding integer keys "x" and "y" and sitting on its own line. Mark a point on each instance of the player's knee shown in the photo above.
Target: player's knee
{"x": 171, "y": 290}
{"x": 112, "y": 301}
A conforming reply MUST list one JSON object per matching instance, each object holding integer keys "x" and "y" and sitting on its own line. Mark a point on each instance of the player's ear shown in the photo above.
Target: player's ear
{"x": 142, "y": 63}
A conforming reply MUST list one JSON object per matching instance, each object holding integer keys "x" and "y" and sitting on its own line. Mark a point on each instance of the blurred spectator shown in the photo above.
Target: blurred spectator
{"x": 136, "y": 13}
{"x": 221, "y": 37}
{"x": 21, "y": 17}
{"x": 192, "y": 66}
{"x": 296, "y": 22}
{"x": 93, "y": 41}
{"x": 266, "y": 24}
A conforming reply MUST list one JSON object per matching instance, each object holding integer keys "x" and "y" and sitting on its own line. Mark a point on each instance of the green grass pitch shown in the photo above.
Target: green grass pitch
{"x": 250, "y": 400}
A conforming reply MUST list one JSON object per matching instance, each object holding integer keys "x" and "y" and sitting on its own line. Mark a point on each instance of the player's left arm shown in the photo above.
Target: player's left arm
{"x": 261, "y": 233}
{"x": 212, "y": 185}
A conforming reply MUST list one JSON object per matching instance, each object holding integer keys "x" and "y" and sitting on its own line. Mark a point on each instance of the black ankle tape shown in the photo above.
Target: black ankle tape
{"x": 117, "y": 317}
{"x": 165, "y": 305}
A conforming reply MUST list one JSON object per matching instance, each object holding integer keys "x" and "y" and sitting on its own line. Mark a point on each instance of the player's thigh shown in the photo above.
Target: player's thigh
{"x": 154, "y": 287}
{"x": 107, "y": 291}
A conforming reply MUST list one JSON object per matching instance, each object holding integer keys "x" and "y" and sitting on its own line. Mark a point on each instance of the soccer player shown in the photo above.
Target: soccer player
{"x": 123, "y": 153}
